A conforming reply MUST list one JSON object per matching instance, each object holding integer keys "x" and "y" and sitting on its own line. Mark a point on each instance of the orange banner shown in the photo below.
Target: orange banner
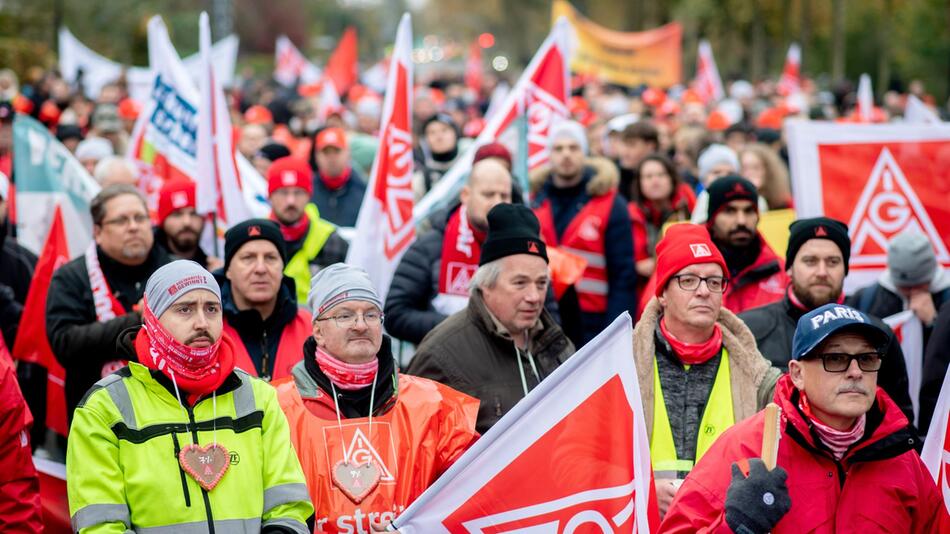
{"x": 653, "y": 57}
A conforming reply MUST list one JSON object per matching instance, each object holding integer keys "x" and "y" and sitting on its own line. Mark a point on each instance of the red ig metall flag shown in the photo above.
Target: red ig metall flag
{"x": 708, "y": 84}
{"x": 572, "y": 456}
{"x": 936, "y": 452}
{"x": 384, "y": 227}
{"x": 542, "y": 92}
{"x": 291, "y": 66}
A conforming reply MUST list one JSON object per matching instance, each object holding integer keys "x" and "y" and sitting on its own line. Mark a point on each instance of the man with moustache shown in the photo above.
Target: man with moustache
{"x": 756, "y": 274}
{"x": 98, "y": 295}
{"x": 817, "y": 257}
{"x": 179, "y": 225}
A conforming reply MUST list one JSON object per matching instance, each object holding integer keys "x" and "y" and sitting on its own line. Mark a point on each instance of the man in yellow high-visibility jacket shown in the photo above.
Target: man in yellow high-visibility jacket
{"x": 180, "y": 440}
{"x": 698, "y": 367}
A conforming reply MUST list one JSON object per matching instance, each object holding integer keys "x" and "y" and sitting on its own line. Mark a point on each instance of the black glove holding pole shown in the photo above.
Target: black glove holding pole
{"x": 754, "y": 504}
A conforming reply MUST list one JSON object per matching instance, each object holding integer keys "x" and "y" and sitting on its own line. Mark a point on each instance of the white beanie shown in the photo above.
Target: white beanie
{"x": 94, "y": 148}
{"x": 568, "y": 129}
{"x": 717, "y": 154}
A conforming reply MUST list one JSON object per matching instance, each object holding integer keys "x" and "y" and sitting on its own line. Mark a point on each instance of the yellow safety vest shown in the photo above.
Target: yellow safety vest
{"x": 717, "y": 417}
{"x": 298, "y": 267}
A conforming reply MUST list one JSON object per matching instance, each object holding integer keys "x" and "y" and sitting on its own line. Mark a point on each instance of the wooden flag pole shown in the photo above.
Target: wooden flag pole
{"x": 771, "y": 435}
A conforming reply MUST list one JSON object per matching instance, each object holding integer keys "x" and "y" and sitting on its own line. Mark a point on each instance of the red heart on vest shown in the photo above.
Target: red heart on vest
{"x": 205, "y": 464}
{"x": 356, "y": 481}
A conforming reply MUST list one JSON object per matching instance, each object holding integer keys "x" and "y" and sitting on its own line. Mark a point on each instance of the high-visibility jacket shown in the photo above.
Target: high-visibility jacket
{"x": 289, "y": 350}
{"x": 298, "y": 267}
{"x": 122, "y": 459}
{"x": 584, "y": 236}
{"x": 425, "y": 428}
{"x": 717, "y": 417}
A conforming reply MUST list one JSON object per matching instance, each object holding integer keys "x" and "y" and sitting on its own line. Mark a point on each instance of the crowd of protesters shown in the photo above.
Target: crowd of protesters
{"x": 169, "y": 349}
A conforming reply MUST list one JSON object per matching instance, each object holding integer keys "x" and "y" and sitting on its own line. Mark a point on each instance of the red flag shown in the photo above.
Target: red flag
{"x": 31, "y": 344}
{"x": 341, "y": 67}
{"x": 473, "y": 69}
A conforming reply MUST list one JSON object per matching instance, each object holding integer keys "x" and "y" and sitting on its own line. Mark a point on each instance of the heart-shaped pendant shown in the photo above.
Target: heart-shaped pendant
{"x": 356, "y": 481}
{"x": 205, "y": 464}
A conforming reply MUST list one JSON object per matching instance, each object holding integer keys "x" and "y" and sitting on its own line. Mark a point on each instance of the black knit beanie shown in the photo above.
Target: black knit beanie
{"x": 250, "y": 230}
{"x": 818, "y": 228}
{"x": 512, "y": 229}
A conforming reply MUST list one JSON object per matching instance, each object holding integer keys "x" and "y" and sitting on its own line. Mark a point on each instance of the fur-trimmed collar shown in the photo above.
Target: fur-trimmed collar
{"x": 605, "y": 178}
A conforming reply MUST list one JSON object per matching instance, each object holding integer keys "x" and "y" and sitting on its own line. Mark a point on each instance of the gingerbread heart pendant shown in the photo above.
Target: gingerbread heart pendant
{"x": 356, "y": 481}
{"x": 205, "y": 464}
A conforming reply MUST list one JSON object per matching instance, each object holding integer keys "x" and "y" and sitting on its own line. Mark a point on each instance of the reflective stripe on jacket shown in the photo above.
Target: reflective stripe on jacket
{"x": 122, "y": 460}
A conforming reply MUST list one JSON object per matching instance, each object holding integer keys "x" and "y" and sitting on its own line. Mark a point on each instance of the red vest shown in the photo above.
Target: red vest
{"x": 289, "y": 350}
{"x": 584, "y": 236}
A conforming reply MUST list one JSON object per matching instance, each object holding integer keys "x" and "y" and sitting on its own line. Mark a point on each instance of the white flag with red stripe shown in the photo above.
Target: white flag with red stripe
{"x": 708, "y": 84}
{"x": 291, "y": 66}
{"x": 556, "y": 462}
{"x": 218, "y": 180}
{"x": 936, "y": 452}
{"x": 910, "y": 333}
{"x": 543, "y": 91}
{"x": 791, "y": 81}
{"x": 384, "y": 227}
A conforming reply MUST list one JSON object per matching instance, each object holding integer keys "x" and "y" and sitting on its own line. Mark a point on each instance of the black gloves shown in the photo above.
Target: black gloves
{"x": 755, "y": 504}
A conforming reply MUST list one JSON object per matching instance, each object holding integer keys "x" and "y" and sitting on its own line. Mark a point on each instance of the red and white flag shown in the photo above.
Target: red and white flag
{"x": 31, "y": 343}
{"x": 384, "y": 227}
{"x": 708, "y": 84}
{"x": 473, "y": 68}
{"x": 791, "y": 81}
{"x": 291, "y": 66}
{"x": 218, "y": 180}
{"x": 879, "y": 179}
{"x": 329, "y": 101}
{"x": 572, "y": 456}
{"x": 910, "y": 333}
{"x": 915, "y": 111}
{"x": 543, "y": 90}
{"x": 936, "y": 452}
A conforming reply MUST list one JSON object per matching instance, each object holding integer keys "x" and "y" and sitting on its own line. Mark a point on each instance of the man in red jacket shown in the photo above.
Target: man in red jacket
{"x": 846, "y": 458}
{"x": 756, "y": 274}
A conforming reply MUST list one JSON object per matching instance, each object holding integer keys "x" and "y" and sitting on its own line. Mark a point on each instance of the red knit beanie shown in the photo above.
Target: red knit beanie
{"x": 289, "y": 172}
{"x": 175, "y": 195}
{"x": 682, "y": 246}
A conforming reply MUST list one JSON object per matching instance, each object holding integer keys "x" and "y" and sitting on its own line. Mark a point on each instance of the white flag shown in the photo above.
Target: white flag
{"x": 708, "y": 82}
{"x": 291, "y": 66}
{"x": 936, "y": 452}
{"x": 910, "y": 332}
{"x": 917, "y": 112}
{"x": 557, "y": 462}
{"x": 865, "y": 98}
{"x": 384, "y": 227}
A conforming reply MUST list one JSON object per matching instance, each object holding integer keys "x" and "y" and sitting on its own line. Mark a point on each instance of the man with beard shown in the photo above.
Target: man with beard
{"x": 756, "y": 274}
{"x": 817, "y": 259}
{"x": 312, "y": 243}
{"x": 98, "y": 295}
{"x": 179, "y": 225}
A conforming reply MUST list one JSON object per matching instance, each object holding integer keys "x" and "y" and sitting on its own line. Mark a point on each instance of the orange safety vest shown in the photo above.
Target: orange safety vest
{"x": 428, "y": 427}
{"x": 289, "y": 350}
{"x": 584, "y": 236}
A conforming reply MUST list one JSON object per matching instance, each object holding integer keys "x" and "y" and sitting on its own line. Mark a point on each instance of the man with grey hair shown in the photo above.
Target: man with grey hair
{"x": 114, "y": 170}
{"x": 96, "y": 296}
{"x": 504, "y": 342}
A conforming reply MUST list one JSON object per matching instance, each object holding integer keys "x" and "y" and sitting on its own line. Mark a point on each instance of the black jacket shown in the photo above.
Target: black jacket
{"x": 409, "y": 311}
{"x": 16, "y": 273}
{"x": 936, "y": 361}
{"x": 343, "y": 205}
{"x": 80, "y": 343}
{"x": 467, "y": 353}
{"x": 258, "y": 334}
{"x": 773, "y": 326}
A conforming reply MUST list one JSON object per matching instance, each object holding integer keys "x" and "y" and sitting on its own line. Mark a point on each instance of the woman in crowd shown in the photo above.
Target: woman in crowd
{"x": 762, "y": 166}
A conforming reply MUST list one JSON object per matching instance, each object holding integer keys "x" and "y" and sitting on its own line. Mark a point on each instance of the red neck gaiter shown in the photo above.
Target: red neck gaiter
{"x": 293, "y": 232}
{"x": 198, "y": 371}
{"x": 347, "y": 376}
{"x": 798, "y": 304}
{"x": 335, "y": 182}
{"x": 694, "y": 353}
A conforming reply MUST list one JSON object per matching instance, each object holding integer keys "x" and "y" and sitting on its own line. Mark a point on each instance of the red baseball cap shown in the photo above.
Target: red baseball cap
{"x": 175, "y": 195}
{"x": 334, "y": 137}
{"x": 289, "y": 172}
{"x": 258, "y": 114}
{"x": 684, "y": 245}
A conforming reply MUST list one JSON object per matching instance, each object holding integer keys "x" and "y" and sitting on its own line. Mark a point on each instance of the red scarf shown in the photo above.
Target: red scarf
{"x": 198, "y": 371}
{"x": 461, "y": 248}
{"x": 335, "y": 182}
{"x": 837, "y": 440}
{"x": 347, "y": 376}
{"x": 694, "y": 353}
{"x": 293, "y": 232}
{"x": 798, "y": 304}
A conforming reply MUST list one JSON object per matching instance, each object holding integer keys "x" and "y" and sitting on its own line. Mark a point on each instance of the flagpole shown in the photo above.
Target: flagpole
{"x": 522, "y": 163}
{"x": 214, "y": 231}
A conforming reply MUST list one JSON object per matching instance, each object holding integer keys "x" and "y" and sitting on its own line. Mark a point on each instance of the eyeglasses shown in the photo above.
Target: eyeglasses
{"x": 348, "y": 320}
{"x": 690, "y": 282}
{"x": 122, "y": 222}
{"x": 839, "y": 362}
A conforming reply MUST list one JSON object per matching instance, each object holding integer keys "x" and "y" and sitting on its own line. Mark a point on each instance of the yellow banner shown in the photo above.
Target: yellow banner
{"x": 652, "y": 57}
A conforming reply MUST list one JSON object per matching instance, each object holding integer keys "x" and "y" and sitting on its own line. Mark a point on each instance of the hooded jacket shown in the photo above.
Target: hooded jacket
{"x": 880, "y": 485}
{"x": 773, "y": 326}
{"x": 467, "y": 352}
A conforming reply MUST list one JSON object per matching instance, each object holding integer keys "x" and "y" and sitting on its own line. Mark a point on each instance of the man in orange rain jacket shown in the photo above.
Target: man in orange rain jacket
{"x": 388, "y": 436}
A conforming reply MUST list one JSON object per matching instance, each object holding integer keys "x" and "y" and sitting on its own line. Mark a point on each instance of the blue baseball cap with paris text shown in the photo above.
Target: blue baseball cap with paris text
{"x": 819, "y": 324}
